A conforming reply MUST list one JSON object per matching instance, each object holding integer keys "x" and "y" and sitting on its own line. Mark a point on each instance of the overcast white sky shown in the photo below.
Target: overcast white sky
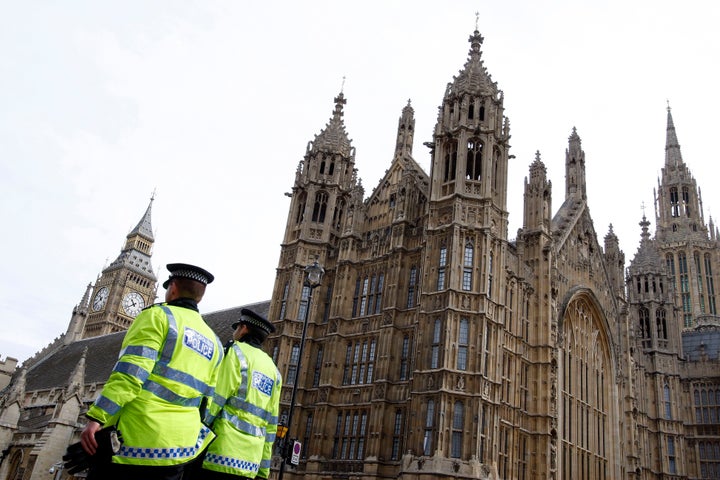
{"x": 211, "y": 104}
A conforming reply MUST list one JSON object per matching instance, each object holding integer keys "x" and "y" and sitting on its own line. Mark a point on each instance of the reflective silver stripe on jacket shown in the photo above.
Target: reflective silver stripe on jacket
{"x": 107, "y": 405}
{"x": 140, "y": 351}
{"x": 163, "y": 370}
{"x": 243, "y": 426}
{"x": 253, "y": 409}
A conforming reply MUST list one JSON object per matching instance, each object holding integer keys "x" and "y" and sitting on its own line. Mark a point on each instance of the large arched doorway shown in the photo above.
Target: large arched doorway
{"x": 15, "y": 472}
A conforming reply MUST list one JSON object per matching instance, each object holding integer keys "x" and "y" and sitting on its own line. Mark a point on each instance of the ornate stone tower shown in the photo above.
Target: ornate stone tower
{"x": 126, "y": 286}
{"x": 463, "y": 285}
{"x": 690, "y": 252}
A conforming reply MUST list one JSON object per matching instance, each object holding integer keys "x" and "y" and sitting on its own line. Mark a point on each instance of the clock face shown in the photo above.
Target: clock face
{"x": 100, "y": 299}
{"x": 133, "y": 303}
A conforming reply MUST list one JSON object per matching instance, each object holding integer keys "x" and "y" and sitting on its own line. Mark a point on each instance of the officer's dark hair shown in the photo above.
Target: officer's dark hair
{"x": 255, "y": 333}
{"x": 188, "y": 288}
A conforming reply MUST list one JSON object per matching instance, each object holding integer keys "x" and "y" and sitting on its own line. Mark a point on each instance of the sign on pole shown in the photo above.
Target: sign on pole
{"x": 295, "y": 457}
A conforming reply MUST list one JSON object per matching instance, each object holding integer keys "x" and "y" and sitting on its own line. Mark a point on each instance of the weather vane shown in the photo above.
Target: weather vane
{"x": 342, "y": 86}
{"x": 477, "y": 20}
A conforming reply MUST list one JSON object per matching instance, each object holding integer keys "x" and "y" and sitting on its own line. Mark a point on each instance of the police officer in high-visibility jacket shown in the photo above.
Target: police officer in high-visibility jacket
{"x": 244, "y": 412}
{"x": 168, "y": 363}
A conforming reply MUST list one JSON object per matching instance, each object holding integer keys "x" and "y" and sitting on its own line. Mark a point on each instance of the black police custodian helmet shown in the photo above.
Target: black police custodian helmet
{"x": 184, "y": 270}
{"x": 255, "y": 320}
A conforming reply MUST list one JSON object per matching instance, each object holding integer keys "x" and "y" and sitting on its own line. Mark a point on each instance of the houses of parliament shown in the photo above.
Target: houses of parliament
{"x": 436, "y": 346}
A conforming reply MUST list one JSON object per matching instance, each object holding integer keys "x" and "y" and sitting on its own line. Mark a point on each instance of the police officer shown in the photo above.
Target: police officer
{"x": 244, "y": 412}
{"x": 169, "y": 361}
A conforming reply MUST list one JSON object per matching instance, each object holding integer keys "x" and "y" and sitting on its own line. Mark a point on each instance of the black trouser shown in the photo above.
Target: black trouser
{"x": 116, "y": 471}
{"x": 212, "y": 475}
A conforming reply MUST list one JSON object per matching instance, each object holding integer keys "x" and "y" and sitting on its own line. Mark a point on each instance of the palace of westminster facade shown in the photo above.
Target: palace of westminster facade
{"x": 436, "y": 347}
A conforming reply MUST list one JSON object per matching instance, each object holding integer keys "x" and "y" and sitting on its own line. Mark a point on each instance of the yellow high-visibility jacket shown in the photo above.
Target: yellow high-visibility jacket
{"x": 244, "y": 413}
{"x": 169, "y": 361}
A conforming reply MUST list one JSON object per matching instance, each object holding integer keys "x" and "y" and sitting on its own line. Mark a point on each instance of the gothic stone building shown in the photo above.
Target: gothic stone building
{"x": 439, "y": 348}
{"x": 436, "y": 347}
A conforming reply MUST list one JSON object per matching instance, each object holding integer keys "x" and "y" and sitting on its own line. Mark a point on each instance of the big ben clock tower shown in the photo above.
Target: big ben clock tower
{"x": 126, "y": 286}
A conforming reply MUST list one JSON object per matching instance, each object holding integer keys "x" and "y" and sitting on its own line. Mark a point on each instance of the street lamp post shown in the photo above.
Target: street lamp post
{"x": 313, "y": 278}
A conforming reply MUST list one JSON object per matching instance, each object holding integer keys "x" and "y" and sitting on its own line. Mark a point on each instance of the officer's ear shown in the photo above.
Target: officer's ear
{"x": 172, "y": 291}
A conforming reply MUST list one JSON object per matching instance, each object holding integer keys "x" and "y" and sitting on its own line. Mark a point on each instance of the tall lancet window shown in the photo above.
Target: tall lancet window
{"x": 467, "y": 267}
{"x": 666, "y": 402}
{"x": 585, "y": 399}
{"x": 429, "y": 426}
{"x": 457, "y": 430}
{"x": 661, "y": 326}
{"x": 338, "y": 214}
{"x": 442, "y": 265}
{"x": 685, "y": 289}
{"x": 674, "y": 202}
{"x": 450, "y": 161}
{"x": 645, "y": 332}
{"x": 698, "y": 272}
{"x": 491, "y": 273}
{"x": 686, "y": 201}
{"x": 320, "y": 207}
{"x": 473, "y": 165}
{"x": 710, "y": 285}
{"x": 300, "y": 214}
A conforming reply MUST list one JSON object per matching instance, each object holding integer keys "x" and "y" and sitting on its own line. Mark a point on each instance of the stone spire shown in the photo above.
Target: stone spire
{"x": 575, "y": 167}
{"x": 406, "y": 132}
{"x": 333, "y": 138}
{"x": 144, "y": 226}
{"x": 136, "y": 255}
{"x": 673, "y": 157}
{"x": 77, "y": 377}
{"x": 77, "y": 320}
{"x": 474, "y": 77}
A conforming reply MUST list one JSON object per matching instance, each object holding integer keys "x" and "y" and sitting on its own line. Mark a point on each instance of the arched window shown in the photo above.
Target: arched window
{"x": 674, "y": 202}
{"x": 320, "y": 207}
{"x": 661, "y": 326}
{"x": 463, "y": 340}
{"x": 645, "y": 332}
{"x": 404, "y": 358}
{"x": 496, "y": 167}
{"x": 435, "y": 347}
{"x": 685, "y": 289}
{"x": 450, "y": 161}
{"x": 283, "y": 301}
{"x": 429, "y": 426}
{"x": 666, "y": 402}
{"x": 397, "y": 435}
{"x": 490, "y": 274}
{"x": 457, "y": 430}
{"x": 710, "y": 284}
{"x": 300, "y": 214}
{"x": 585, "y": 398}
{"x": 318, "y": 367}
{"x": 292, "y": 364}
{"x": 412, "y": 286}
{"x": 338, "y": 214}
{"x": 473, "y": 165}
{"x": 442, "y": 265}
{"x": 467, "y": 267}
{"x": 686, "y": 200}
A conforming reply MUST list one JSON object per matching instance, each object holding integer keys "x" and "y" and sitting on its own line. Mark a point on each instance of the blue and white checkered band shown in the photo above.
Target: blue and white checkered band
{"x": 191, "y": 274}
{"x": 164, "y": 453}
{"x": 262, "y": 382}
{"x": 199, "y": 343}
{"x": 235, "y": 463}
